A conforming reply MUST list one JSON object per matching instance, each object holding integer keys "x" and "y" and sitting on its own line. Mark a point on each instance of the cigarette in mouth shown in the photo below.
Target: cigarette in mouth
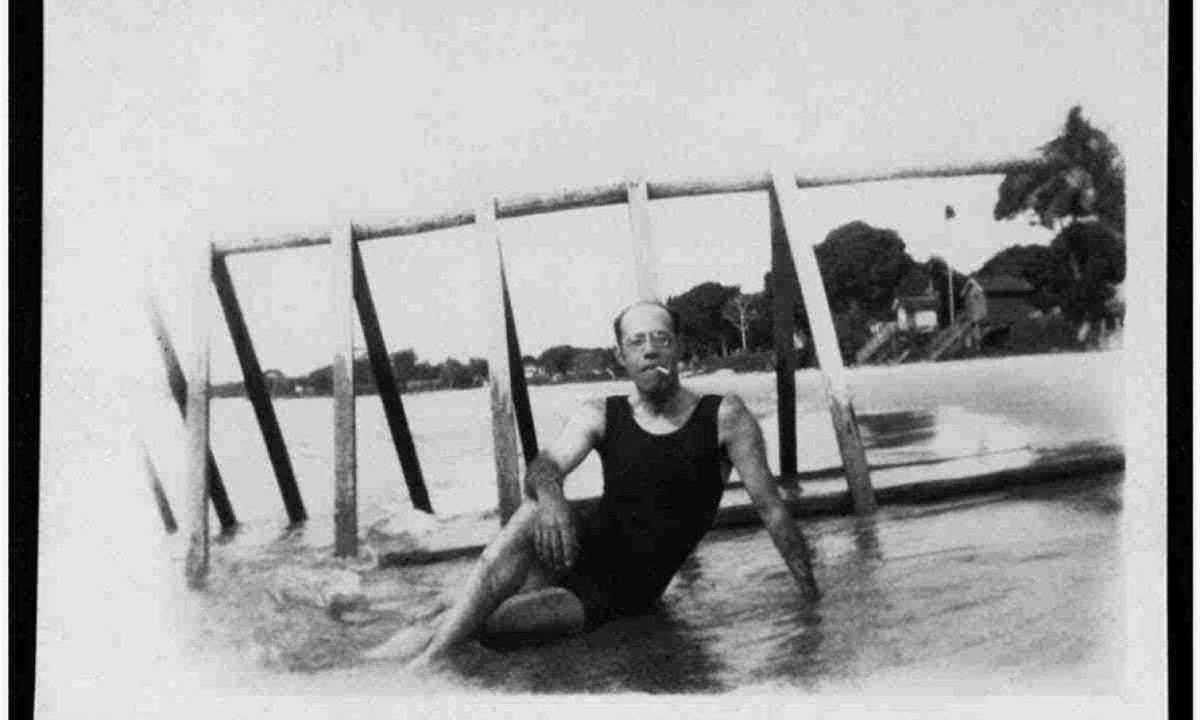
{"x": 661, "y": 369}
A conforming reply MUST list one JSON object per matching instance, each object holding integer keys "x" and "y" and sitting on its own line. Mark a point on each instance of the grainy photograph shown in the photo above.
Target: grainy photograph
{"x": 419, "y": 354}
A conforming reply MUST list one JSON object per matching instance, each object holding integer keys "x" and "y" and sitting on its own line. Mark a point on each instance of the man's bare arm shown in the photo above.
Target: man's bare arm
{"x": 743, "y": 441}
{"x": 554, "y": 534}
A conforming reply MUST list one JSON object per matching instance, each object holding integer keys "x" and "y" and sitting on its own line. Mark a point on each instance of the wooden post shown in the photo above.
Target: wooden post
{"x": 783, "y": 326}
{"x": 816, "y": 304}
{"x": 504, "y": 425}
{"x": 256, "y": 391}
{"x": 644, "y": 257}
{"x": 345, "y": 513}
{"x": 160, "y": 495}
{"x": 179, "y": 391}
{"x": 385, "y": 383}
{"x": 196, "y": 421}
{"x": 521, "y": 404}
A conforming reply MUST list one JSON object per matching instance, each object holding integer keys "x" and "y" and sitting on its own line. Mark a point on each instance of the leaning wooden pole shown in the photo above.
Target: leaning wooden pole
{"x": 385, "y": 384}
{"x": 256, "y": 391}
{"x": 645, "y": 261}
{"x": 156, "y": 488}
{"x": 179, "y": 392}
{"x": 196, "y": 421}
{"x": 816, "y": 304}
{"x": 783, "y": 327}
{"x": 504, "y": 423}
{"x": 516, "y": 371}
{"x": 345, "y": 499}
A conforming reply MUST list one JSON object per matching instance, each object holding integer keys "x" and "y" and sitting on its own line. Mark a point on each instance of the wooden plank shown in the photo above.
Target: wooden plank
{"x": 179, "y": 390}
{"x": 645, "y": 259}
{"x": 385, "y": 383}
{"x": 615, "y": 194}
{"x": 345, "y": 461}
{"x": 156, "y": 488}
{"x": 196, "y": 423}
{"x": 1087, "y": 471}
{"x": 829, "y": 357}
{"x": 256, "y": 391}
{"x": 783, "y": 328}
{"x": 516, "y": 370}
{"x": 504, "y": 424}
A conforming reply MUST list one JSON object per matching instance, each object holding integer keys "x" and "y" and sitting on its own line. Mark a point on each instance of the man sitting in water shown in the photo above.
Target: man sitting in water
{"x": 666, "y": 453}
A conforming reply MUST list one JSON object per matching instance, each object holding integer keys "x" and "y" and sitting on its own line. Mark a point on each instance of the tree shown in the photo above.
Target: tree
{"x": 478, "y": 367}
{"x": 1045, "y": 268}
{"x": 404, "y": 364}
{"x": 740, "y": 310}
{"x": 852, "y": 326}
{"x": 557, "y": 360}
{"x": 862, "y": 264}
{"x": 701, "y": 325}
{"x": 1080, "y": 188}
{"x": 593, "y": 362}
{"x": 1082, "y": 174}
{"x": 453, "y": 374}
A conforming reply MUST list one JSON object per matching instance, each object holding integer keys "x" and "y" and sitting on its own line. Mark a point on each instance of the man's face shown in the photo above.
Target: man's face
{"x": 649, "y": 349}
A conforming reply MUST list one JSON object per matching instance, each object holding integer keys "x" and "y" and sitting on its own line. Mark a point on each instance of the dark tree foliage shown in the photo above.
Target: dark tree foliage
{"x": 1082, "y": 183}
{"x": 1096, "y": 257}
{"x": 701, "y": 325}
{"x": 862, "y": 265}
{"x": 1045, "y": 268}
{"x": 1083, "y": 175}
{"x": 593, "y": 362}
{"x": 557, "y": 360}
{"x": 852, "y": 326}
{"x": 404, "y": 364}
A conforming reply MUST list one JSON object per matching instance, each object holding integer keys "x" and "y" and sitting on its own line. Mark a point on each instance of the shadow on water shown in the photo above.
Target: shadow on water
{"x": 658, "y": 652}
{"x": 898, "y": 429}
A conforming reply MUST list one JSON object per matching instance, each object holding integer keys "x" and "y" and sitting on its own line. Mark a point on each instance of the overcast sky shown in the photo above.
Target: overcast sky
{"x": 170, "y": 126}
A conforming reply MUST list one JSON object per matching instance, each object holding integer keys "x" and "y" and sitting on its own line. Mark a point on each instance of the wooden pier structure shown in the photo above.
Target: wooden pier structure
{"x": 794, "y": 273}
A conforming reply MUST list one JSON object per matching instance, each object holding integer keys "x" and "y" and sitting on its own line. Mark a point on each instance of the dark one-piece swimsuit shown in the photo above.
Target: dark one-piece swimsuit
{"x": 661, "y": 493}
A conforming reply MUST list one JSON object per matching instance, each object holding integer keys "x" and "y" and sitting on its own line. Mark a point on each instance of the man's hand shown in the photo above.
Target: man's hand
{"x": 554, "y": 534}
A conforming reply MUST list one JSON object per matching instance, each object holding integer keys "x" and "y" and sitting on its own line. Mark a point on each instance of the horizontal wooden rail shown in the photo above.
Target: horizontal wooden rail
{"x": 615, "y": 193}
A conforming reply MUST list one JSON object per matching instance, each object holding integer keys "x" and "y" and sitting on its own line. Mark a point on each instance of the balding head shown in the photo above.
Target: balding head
{"x": 672, "y": 316}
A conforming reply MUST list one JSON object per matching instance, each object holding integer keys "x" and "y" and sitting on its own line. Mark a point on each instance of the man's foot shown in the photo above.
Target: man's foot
{"x": 404, "y": 645}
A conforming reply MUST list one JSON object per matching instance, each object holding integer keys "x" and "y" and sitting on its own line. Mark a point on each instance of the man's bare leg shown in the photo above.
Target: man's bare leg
{"x": 507, "y": 564}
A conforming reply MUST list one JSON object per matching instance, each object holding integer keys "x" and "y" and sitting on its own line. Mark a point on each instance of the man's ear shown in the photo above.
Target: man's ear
{"x": 616, "y": 352}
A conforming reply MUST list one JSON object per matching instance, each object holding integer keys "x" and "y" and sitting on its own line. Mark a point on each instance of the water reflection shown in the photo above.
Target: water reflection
{"x": 895, "y": 429}
{"x": 659, "y": 652}
{"x": 866, "y": 540}
{"x": 813, "y": 642}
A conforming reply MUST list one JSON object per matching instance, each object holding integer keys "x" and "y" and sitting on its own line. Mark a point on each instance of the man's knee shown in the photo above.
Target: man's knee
{"x": 515, "y": 541}
{"x": 536, "y": 616}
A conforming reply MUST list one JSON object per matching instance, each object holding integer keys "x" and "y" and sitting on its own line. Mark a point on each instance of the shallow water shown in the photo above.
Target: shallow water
{"x": 1004, "y": 591}
{"x": 908, "y": 413}
{"x": 1015, "y": 591}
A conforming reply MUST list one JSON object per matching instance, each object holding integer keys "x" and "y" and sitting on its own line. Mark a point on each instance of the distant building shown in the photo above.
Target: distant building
{"x": 534, "y": 371}
{"x": 916, "y": 304}
{"x": 997, "y": 300}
